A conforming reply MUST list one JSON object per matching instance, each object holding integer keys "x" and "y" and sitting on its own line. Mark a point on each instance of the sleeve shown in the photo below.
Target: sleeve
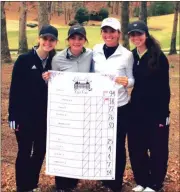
{"x": 15, "y": 90}
{"x": 54, "y": 63}
{"x": 129, "y": 70}
{"x": 164, "y": 89}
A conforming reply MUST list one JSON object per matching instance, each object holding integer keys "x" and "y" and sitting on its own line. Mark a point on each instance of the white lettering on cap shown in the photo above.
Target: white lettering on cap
{"x": 109, "y": 20}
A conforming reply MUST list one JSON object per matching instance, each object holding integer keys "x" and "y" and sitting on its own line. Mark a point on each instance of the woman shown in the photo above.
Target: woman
{"x": 75, "y": 58}
{"x": 28, "y": 106}
{"x": 149, "y": 130}
{"x": 111, "y": 57}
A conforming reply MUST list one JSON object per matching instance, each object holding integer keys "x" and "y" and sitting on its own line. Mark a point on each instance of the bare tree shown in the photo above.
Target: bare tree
{"x": 131, "y": 8}
{"x": 68, "y": 10}
{"x": 117, "y": 7}
{"x": 23, "y": 46}
{"x": 76, "y": 5}
{"x": 5, "y": 53}
{"x": 43, "y": 13}
{"x": 143, "y": 11}
{"x": 59, "y": 8}
{"x": 124, "y": 22}
{"x": 174, "y": 31}
{"x": 113, "y": 6}
{"x": 50, "y": 11}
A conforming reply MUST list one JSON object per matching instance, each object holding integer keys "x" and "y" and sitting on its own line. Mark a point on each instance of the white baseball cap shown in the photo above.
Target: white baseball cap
{"x": 111, "y": 22}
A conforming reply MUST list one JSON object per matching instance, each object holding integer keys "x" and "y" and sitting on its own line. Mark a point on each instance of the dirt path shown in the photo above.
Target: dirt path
{"x": 9, "y": 145}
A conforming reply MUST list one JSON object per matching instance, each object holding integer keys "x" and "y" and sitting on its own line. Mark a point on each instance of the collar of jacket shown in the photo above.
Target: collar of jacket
{"x": 69, "y": 55}
{"x": 35, "y": 52}
{"x": 117, "y": 52}
{"x": 136, "y": 55}
{"x": 38, "y": 61}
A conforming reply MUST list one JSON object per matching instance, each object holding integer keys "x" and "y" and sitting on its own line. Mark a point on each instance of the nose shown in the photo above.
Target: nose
{"x": 108, "y": 34}
{"x": 76, "y": 40}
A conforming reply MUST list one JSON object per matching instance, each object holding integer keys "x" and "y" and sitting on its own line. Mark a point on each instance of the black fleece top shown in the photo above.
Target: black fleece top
{"x": 108, "y": 51}
{"x": 28, "y": 90}
{"x": 150, "y": 96}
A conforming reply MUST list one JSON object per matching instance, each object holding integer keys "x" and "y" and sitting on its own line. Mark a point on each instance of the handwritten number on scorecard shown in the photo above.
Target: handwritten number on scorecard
{"x": 111, "y": 125}
{"x": 109, "y": 172}
{"x": 111, "y": 101}
{"x": 112, "y": 93}
{"x": 111, "y": 117}
{"x": 111, "y": 108}
{"x": 110, "y": 148}
{"x": 110, "y": 141}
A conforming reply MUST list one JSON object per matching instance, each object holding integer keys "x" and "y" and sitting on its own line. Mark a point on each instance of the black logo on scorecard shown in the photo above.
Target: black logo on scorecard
{"x": 83, "y": 84}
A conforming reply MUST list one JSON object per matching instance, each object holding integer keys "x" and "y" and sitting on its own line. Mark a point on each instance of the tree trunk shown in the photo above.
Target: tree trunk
{"x": 69, "y": 14}
{"x": 174, "y": 31}
{"x": 5, "y": 53}
{"x": 49, "y": 7}
{"x": 131, "y": 8}
{"x": 43, "y": 14}
{"x": 113, "y": 7}
{"x": 117, "y": 7}
{"x": 124, "y": 23}
{"x": 65, "y": 15}
{"x": 23, "y": 46}
{"x": 59, "y": 7}
{"x": 143, "y": 11}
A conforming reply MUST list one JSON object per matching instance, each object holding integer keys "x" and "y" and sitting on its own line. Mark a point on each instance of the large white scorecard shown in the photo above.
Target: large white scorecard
{"x": 81, "y": 125}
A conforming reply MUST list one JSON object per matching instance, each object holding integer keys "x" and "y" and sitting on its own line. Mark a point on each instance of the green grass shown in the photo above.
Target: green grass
{"x": 160, "y": 28}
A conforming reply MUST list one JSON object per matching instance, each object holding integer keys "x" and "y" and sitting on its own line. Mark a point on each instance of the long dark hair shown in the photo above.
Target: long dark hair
{"x": 154, "y": 50}
{"x": 52, "y": 53}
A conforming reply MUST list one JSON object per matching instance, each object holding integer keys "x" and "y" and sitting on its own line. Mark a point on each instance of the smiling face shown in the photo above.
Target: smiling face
{"x": 47, "y": 43}
{"x": 110, "y": 36}
{"x": 138, "y": 39}
{"x": 76, "y": 43}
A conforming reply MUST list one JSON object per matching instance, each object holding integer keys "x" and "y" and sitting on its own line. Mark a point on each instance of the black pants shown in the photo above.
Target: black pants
{"x": 63, "y": 183}
{"x": 31, "y": 151}
{"x": 122, "y": 120}
{"x": 148, "y": 151}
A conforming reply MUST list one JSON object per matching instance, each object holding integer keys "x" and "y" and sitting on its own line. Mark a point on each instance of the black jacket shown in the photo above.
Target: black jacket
{"x": 28, "y": 91}
{"x": 150, "y": 96}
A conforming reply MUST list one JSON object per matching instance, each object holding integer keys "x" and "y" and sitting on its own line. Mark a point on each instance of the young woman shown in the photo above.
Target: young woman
{"x": 111, "y": 57}
{"x": 28, "y": 106}
{"x": 149, "y": 130}
{"x": 75, "y": 58}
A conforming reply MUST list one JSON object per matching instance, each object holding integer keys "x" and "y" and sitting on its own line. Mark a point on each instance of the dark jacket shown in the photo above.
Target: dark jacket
{"x": 150, "y": 96}
{"x": 28, "y": 91}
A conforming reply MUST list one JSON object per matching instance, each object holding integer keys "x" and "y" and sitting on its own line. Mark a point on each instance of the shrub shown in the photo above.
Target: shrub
{"x": 84, "y": 23}
{"x": 160, "y": 8}
{"x": 103, "y": 13}
{"x": 32, "y": 25}
{"x": 136, "y": 12}
{"x": 73, "y": 22}
{"x": 95, "y": 16}
{"x": 82, "y": 15}
{"x": 99, "y": 16}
